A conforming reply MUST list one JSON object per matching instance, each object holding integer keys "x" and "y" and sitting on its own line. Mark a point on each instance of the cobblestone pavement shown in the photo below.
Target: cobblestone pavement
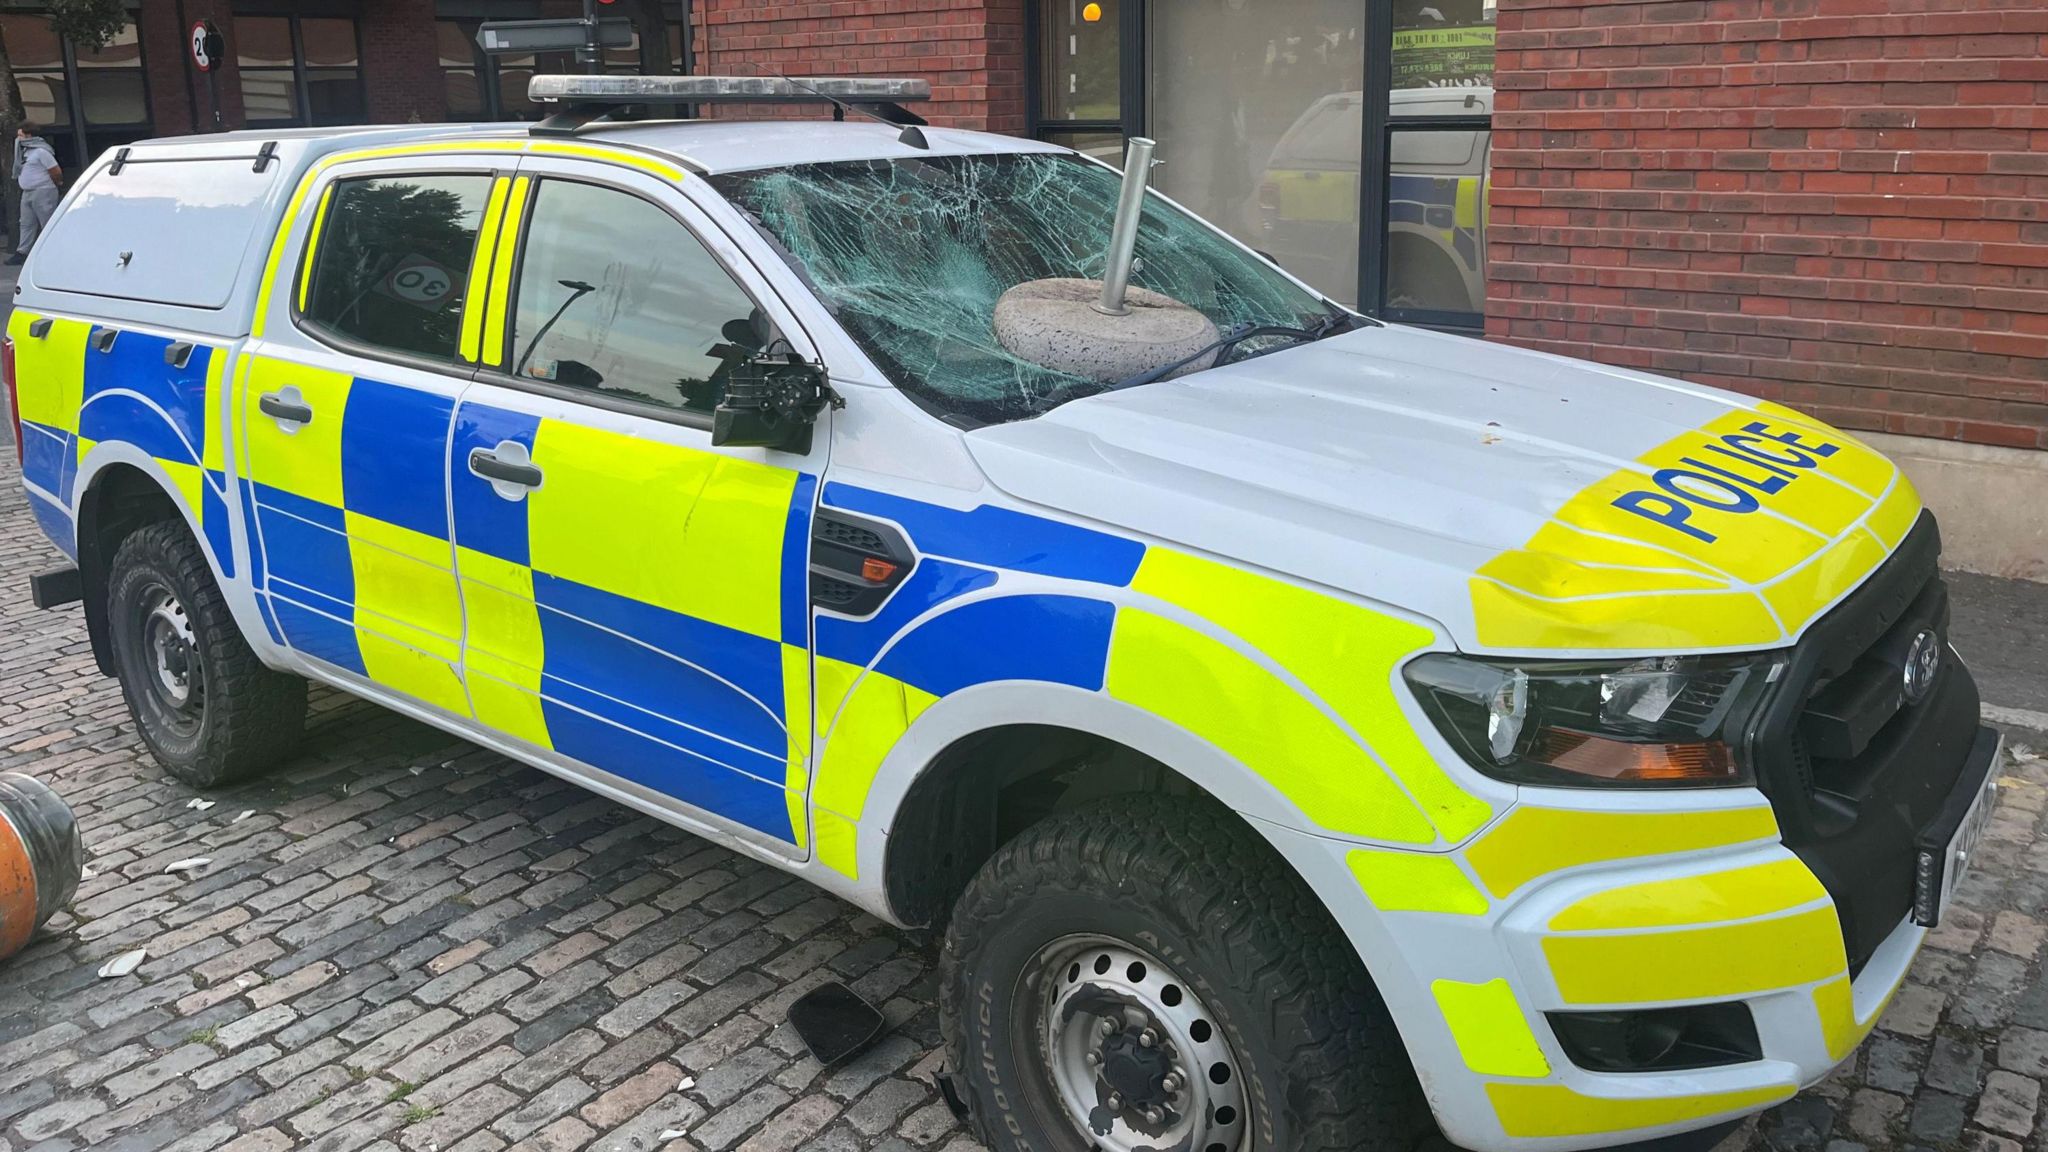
{"x": 403, "y": 942}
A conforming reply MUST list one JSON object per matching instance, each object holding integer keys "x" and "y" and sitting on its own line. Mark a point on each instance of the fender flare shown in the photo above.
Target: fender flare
{"x": 107, "y": 455}
{"x": 1005, "y": 703}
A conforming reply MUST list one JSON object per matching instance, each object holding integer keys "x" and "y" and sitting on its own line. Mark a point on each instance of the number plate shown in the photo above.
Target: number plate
{"x": 1939, "y": 873}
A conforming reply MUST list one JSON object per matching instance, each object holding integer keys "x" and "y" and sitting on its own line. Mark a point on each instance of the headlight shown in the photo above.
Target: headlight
{"x": 1668, "y": 721}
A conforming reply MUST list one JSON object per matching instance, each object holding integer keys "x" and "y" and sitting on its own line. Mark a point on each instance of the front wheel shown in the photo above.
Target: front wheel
{"x": 1143, "y": 973}
{"x": 207, "y": 709}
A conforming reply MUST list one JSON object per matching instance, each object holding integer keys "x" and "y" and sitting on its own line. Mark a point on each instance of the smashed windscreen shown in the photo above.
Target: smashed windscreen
{"x": 912, "y": 256}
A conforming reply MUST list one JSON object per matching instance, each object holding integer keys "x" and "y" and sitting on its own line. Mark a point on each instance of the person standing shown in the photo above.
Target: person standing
{"x": 36, "y": 170}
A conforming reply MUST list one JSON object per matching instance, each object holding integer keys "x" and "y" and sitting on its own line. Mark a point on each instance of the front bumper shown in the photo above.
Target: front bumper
{"x": 1626, "y": 902}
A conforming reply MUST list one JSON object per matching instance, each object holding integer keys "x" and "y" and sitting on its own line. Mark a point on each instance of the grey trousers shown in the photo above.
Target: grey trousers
{"x": 37, "y": 206}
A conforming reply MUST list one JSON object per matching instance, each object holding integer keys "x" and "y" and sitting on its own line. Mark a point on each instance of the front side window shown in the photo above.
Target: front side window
{"x": 393, "y": 261}
{"x": 912, "y": 256}
{"x": 618, "y": 297}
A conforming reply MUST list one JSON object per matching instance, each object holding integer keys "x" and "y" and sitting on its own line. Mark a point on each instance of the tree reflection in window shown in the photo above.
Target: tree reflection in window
{"x": 394, "y": 261}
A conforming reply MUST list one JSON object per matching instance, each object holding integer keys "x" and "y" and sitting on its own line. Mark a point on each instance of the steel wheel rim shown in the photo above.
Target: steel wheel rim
{"x": 171, "y": 655}
{"x": 1134, "y": 1058}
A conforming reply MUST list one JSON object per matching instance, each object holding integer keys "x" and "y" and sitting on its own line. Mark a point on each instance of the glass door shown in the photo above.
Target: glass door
{"x": 1349, "y": 141}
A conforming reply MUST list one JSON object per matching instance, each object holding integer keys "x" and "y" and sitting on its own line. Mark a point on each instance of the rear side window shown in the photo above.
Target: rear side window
{"x": 618, "y": 297}
{"x": 392, "y": 260}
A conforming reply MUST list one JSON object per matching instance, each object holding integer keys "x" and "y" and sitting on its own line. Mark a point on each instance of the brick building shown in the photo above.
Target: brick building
{"x": 1838, "y": 204}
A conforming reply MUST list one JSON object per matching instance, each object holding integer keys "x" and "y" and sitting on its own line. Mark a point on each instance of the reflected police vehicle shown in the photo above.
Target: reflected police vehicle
{"x": 1306, "y": 212}
{"x": 1302, "y": 727}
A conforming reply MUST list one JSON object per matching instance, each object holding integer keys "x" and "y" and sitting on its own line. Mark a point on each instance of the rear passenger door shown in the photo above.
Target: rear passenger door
{"x": 345, "y": 405}
{"x": 636, "y": 597}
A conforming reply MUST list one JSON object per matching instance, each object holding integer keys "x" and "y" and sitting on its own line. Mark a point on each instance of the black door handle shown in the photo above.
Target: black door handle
{"x": 275, "y": 406}
{"x": 486, "y": 464}
{"x": 179, "y": 354}
{"x": 104, "y": 339}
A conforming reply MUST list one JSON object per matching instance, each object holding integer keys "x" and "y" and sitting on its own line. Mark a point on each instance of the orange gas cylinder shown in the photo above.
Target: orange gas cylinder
{"x": 41, "y": 858}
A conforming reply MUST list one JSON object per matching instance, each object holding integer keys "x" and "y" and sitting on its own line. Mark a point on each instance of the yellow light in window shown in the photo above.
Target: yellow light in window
{"x": 1090, "y": 13}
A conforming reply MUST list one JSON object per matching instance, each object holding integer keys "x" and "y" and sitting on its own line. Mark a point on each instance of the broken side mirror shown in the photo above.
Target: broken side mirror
{"x": 771, "y": 401}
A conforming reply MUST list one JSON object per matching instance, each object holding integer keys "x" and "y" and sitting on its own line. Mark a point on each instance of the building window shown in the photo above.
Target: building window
{"x": 1349, "y": 142}
{"x": 333, "y": 73}
{"x": 485, "y": 87}
{"x": 299, "y": 70}
{"x": 88, "y": 100}
{"x": 462, "y": 70}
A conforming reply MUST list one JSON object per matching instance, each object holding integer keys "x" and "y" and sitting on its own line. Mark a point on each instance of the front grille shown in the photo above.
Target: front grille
{"x": 1853, "y": 771}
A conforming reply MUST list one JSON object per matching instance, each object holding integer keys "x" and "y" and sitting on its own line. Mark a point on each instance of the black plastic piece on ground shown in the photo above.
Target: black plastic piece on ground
{"x": 56, "y": 588}
{"x": 834, "y": 1022}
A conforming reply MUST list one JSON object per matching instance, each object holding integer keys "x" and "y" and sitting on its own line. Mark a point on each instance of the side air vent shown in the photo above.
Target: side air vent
{"x": 856, "y": 562}
{"x": 833, "y": 530}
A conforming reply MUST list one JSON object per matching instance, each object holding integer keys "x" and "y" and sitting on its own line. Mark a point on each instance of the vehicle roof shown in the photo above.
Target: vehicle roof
{"x": 738, "y": 145}
{"x": 707, "y": 145}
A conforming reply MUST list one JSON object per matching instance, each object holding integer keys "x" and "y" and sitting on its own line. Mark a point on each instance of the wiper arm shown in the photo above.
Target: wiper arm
{"x": 1231, "y": 339}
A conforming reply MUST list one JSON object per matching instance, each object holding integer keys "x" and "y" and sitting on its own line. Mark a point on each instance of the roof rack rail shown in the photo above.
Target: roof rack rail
{"x": 591, "y": 98}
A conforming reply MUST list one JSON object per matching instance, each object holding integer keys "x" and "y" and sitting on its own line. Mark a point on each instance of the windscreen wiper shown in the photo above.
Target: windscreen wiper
{"x": 1329, "y": 325}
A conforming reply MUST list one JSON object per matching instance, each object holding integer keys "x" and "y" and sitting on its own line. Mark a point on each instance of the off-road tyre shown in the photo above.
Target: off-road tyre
{"x": 1192, "y": 884}
{"x": 248, "y": 717}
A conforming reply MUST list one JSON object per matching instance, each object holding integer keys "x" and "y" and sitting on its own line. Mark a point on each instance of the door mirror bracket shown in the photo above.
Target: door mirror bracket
{"x": 771, "y": 400}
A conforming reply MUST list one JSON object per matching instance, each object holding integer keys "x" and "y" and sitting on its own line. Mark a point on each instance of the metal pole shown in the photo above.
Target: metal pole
{"x": 590, "y": 55}
{"x": 1123, "y": 235}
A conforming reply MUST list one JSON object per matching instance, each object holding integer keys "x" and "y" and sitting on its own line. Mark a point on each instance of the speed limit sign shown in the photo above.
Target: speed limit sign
{"x": 207, "y": 46}
{"x": 418, "y": 281}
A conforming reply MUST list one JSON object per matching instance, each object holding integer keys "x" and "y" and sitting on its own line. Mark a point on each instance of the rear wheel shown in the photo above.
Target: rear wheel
{"x": 1143, "y": 974}
{"x": 207, "y": 709}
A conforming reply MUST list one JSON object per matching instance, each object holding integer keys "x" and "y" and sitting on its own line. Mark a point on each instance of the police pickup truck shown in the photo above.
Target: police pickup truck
{"x": 1302, "y": 728}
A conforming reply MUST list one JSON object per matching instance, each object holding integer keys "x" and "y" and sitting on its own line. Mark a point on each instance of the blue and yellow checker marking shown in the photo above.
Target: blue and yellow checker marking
{"x": 1452, "y": 207}
{"x": 75, "y": 395}
{"x": 1349, "y": 760}
{"x": 352, "y": 539}
{"x": 643, "y": 611}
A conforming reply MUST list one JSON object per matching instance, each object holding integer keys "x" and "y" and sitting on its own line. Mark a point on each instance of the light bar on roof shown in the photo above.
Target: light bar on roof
{"x": 726, "y": 89}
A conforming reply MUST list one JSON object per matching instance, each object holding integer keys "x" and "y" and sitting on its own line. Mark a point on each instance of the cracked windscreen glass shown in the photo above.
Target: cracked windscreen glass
{"x": 912, "y": 255}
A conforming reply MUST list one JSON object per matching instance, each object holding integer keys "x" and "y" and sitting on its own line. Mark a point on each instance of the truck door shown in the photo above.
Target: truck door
{"x": 636, "y": 597}
{"x": 345, "y": 405}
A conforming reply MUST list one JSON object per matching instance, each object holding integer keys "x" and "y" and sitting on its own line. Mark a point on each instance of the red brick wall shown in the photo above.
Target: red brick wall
{"x": 1838, "y": 204}
{"x": 972, "y": 51}
{"x": 177, "y": 90}
{"x": 401, "y": 63}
